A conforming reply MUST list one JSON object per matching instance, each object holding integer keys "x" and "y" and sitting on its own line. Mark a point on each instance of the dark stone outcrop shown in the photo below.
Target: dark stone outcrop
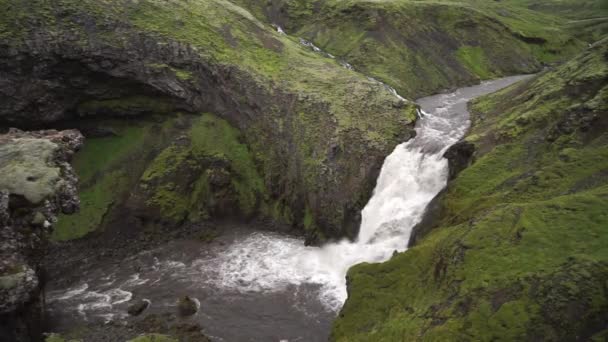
{"x": 430, "y": 219}
{"x": 138, "y": 307}
{"x": 37, "y": 184}
{"x": 459, "y": 156}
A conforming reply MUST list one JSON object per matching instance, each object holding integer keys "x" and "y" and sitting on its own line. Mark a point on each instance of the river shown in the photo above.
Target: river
{"x": 264, "y": 286}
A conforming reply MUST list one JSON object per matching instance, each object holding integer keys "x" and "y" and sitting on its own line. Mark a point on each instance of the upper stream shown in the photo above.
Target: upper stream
{"x": 264, "y": 286}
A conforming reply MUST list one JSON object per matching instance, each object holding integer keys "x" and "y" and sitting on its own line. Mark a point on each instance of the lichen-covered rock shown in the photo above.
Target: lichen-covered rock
{"x": 37, "y": 184}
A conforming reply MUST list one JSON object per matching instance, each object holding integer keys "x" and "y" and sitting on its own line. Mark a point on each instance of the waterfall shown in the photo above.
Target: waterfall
{"x": 411, "y": 176}
{"x": 267, "y": 264}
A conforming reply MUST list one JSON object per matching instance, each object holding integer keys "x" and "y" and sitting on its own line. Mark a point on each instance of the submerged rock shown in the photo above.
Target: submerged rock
{"x": 186, "y": 306}
{"x": 138, "y": 307}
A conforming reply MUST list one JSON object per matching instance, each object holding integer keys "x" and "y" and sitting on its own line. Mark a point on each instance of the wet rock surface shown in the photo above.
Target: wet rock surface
{"x": 459, "y": 156}
{"x": 138, "y": 307}
{"x": 186, "y": 306}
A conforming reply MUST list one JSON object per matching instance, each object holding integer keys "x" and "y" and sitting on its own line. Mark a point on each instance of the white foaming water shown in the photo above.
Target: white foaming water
{"x": 411, "y": 176}
{"x": 270, "y": 262}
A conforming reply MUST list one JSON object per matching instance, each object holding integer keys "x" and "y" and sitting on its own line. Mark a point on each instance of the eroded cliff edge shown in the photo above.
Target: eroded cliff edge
{"x": 37, "y": 184}
{"x": 316, "y": 133}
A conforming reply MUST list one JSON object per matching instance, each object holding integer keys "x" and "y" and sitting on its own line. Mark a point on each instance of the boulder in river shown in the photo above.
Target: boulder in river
{"x": 186, "y": 306}
{"x": 138, "y": 307}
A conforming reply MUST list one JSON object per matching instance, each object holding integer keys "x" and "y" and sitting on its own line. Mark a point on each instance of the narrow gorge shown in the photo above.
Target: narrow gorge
{"x": 215, "y": 170}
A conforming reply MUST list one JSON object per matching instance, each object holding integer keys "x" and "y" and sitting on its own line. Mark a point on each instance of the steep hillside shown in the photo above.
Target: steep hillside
{"x": 521, "y": 248}
{"x": 586, "y": 19}
{"x": 305, "y": 137}
{"x": 423, "y": 47}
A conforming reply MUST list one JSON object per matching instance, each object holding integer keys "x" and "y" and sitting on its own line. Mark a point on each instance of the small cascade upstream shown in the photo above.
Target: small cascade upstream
{"x": 268, "y": 286}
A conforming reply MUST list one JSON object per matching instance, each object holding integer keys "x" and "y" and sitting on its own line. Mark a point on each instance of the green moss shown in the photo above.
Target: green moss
{"x": 54, "y": 338}
{"x": 474, "y": 59}
{"x": 213, "y": 136}
{"x": 211, "y": 141}
{"x": 107, "y": 169}
{"x": 308, "y": 219}
{"x": 29, "y": 170}
{"x": 521, "y": 248}
{"x": 153, "y": 338}
{"x": 422, "y": 47}
{"x": 58, "y": 338}
{"x": 183, "y": 75}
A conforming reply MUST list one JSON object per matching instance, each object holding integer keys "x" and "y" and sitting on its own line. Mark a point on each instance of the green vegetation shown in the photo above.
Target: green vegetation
{"x": 183, "y": 75}
{"x": 153, "y": 338}
{"x": 57, "y": 338}
{"x": 521, "y": 250}
{"x": 301, "y": 116}
{"x": 473, "y": 58}
{"x": 216, "y": 162}
{"x": 107, "y": 168}
{"x": 423, "y": 47}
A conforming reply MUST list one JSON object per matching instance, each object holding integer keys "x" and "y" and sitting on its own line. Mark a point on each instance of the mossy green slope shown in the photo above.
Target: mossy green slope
{"x": 207, "y": 172}
{"x": 521, "y": 251}
{"x": 317, "y": 132}
{"x": 108, "y": 168}
{"x": 423, "y": 47}
{"x": 168, "y": 169}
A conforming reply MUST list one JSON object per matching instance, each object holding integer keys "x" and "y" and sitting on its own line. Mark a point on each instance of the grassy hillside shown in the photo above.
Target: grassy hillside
{"x": 521, "y": 250}
{"x": 422, "y": 47}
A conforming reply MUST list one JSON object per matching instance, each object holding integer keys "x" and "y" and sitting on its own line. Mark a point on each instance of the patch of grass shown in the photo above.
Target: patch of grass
{"x": 212, "y": 142}
{"x": 107, "y": 169}
{"x": 423, "y": 47}
{"x": 181, "y": 74}
{"x": 474, "y": 59}
{"x": 153, "y": 338}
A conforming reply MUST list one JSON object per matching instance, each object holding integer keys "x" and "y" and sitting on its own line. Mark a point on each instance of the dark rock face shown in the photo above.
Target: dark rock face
{"x": 430, "y": 220}
{"x": 459, "y": 156}
{"x": 138, "y": 307}
{"x": 37, "y": 183}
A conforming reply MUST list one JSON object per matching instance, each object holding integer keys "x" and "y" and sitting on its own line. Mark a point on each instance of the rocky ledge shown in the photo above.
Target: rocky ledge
{"x": 37, "y": 184}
